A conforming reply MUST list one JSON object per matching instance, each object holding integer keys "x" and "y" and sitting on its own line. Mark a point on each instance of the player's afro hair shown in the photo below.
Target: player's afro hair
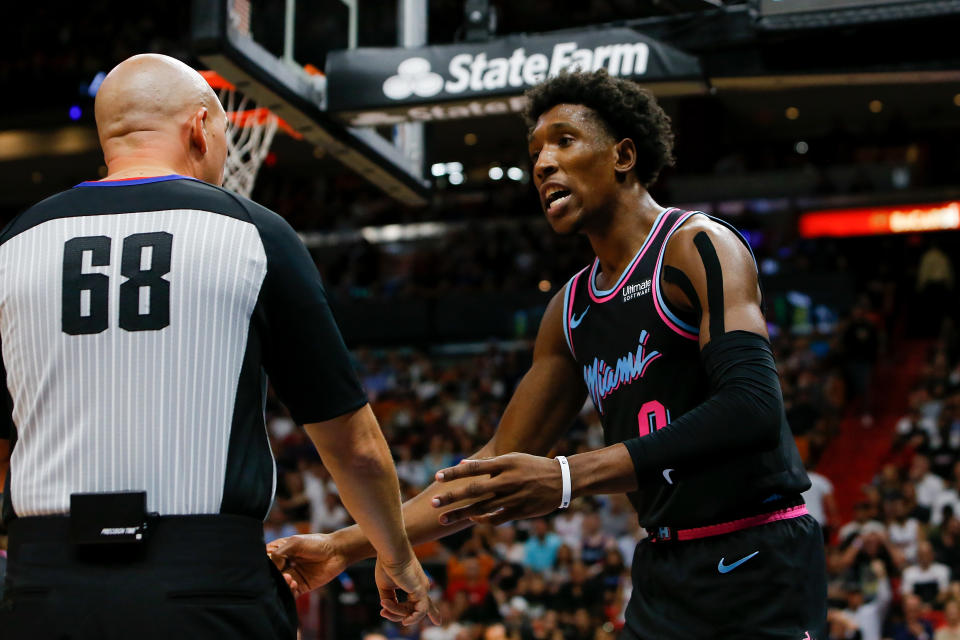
{"x": 624, "y": 108}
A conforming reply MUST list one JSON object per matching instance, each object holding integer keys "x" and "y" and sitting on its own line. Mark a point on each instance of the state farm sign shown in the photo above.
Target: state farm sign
{"x": 369, "y": 86}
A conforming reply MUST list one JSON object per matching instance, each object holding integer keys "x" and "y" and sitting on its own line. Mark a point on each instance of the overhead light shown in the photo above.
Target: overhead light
{"x": 956, "y": 99}
{"x": 438, "y": 169}
{"x": 95, "y": 84}
{"x": 470, "y": 139}
{"x": 876, "y": 106}
{"x": 792, "y": 113}
{"x": 455, "y": 178}
{"x": 515, "y": 173}
{"x": 454, "y": 167}
{"x": 544, "y": 285}
{"x": 75, "y": 112}
{"x": 801, "y": 147}
{"x": 495, "y": 173}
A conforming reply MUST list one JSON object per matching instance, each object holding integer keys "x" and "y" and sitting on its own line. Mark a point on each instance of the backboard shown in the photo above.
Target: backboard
{"x": 222, "y": 39}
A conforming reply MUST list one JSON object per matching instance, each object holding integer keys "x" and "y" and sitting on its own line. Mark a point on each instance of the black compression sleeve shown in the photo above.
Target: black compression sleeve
{"x": 743, "y": 413}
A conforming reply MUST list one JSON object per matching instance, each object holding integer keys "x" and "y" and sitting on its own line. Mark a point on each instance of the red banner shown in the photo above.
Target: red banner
{"x": 872, "y": 221}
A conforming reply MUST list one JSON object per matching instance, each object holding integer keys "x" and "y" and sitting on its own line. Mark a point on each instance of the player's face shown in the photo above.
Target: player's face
{"x": 573, "y": 166}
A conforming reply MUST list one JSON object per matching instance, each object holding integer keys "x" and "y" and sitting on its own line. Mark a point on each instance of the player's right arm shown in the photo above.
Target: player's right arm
{"x": 543, "y": 406}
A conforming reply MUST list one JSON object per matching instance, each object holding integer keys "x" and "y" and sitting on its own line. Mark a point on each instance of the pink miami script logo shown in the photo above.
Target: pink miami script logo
{"x": 602, "y": 379}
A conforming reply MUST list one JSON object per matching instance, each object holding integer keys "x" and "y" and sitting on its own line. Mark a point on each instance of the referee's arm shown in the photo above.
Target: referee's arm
{"x": 354, "y": 451}
{"x": 307, "y": 360}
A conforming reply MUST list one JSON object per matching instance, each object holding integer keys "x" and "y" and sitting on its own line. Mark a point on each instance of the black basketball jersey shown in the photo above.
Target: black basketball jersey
{"x": 641, "y": 366}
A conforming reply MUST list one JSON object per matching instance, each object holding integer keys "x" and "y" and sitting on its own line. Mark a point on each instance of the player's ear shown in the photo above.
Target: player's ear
{"x": 626, "y": 156}
{"x": 198, "y": 130}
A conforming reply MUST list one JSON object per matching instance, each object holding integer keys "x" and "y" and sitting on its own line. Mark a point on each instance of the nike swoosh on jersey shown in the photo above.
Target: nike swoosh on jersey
{"x": 666, "y": 475}
{"x": 575, "y": 321}
{"x": 727, "y": 568}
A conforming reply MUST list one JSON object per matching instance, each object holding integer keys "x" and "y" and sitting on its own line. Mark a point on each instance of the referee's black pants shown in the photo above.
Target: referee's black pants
{"x": 195, "y": 577}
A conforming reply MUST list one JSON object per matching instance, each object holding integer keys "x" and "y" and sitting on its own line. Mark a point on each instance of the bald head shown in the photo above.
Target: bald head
{"x": 154, "y": 110}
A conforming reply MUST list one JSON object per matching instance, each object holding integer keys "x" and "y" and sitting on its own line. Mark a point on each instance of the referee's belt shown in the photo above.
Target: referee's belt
{"x": 661, "y": 534}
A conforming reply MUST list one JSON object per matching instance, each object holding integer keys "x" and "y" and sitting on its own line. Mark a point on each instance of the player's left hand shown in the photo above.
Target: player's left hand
{"x": 520, "y": 486}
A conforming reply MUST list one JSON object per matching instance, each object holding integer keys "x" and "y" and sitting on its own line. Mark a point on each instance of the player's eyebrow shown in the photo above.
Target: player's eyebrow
{"x": 553, "y": 126}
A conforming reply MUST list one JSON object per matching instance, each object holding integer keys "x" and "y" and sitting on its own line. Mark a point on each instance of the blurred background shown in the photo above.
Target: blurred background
{"x": 847, "y": 191}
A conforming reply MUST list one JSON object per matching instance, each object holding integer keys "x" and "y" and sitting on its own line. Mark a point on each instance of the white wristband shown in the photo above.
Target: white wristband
{"x": 567, "y": 485}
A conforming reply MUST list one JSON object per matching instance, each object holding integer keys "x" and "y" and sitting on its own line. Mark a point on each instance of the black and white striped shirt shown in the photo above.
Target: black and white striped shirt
{"x": 139, "y": 320}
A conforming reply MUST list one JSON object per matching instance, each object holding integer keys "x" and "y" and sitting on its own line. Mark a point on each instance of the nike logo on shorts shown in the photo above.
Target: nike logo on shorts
{"x": 727, "y": 568}
{"x": 575, "y": 321}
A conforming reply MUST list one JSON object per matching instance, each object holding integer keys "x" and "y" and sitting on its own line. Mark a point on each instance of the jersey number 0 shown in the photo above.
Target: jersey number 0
{"x": 144, "y": 297}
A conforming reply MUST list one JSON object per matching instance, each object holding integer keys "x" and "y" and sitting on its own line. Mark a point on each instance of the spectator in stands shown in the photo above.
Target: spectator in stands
{"x": 541, "y": 547}
{"x": 946, "y": 546}
{"x": 448, "y": 629}
{"x": 861, "y": 344}
{"x": 560, "y": 573}
{"x": 840, "y": 626}
{"x": 935, "y": 281}
{"x": 863, "y": 512}
{"x": 616, "y": 515}
{"x": 593, "y": 547}
{"x": 951, "y": 628}
{"x": 409, "y": 470}
{"x": 915, "y": 430}
{"x": 913, "y": 627}
{"x": 902, "y": 530}
{"x": 927, "y": 579}
{"x": 506, "y": 547}
{"x": 914, "y": 510}
{"x": 569, "y": 525}
{"x": 579, "y": 592}
{"x": 439, "y": 456}
{"x": 949, "y": 497}
{"x": 870, "y": 614}
{"x": 820, "y": 501}
{"x": 331, "y": 515}
{"x": 471, "y": 579}
{"x": 292, "y": 497}
{"x": 928, "y": 485}
{"x": 870, "y": 545}
{"x": 277, "y": 525}
{"x": 627, "y": 543}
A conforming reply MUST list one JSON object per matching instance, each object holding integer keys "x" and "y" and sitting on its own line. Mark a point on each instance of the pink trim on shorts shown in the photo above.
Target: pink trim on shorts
{"x": 743, "y": 523}
{"x": 603, "y": 296}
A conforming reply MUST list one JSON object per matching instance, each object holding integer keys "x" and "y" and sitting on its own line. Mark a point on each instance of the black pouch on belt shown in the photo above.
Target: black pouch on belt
{"x": 108, "y": 518}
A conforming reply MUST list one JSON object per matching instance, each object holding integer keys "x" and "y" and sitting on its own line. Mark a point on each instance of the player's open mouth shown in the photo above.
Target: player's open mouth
{"x": 556, "y": 199}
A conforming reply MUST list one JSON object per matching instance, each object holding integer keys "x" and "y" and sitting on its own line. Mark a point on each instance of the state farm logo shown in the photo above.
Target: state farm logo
{"x": 414, "y": 77}
{"x": 468, "y": 72}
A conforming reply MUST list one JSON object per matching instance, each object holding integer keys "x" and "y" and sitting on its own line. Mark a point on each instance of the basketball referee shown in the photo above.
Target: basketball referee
{"x": 139, "y": 317}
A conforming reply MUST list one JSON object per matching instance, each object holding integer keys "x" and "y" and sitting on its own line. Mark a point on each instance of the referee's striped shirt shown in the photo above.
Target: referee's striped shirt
{"x": 138, "y": 321}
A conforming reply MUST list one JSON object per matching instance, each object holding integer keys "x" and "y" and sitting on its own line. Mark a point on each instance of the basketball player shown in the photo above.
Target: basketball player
{"x": 664, "y": 332}
{"x": 138, "y": 315}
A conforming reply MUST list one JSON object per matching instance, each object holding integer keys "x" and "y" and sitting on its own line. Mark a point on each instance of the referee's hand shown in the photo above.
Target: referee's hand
{"x": 409, "y": 577}
{"x": 307, "y": 562}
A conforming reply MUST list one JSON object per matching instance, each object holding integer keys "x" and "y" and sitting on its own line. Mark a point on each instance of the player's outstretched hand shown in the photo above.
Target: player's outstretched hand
{"x": 307, "y": 562}
{"x": 408, "y": 577}
{"x": 519, "y": 486}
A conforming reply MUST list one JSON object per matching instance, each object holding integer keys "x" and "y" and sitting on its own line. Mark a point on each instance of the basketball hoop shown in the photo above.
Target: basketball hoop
{"x": 250, "y": 131}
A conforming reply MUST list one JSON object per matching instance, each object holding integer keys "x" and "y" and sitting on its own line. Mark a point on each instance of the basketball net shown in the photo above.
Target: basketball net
{"x": 250, "y": 131}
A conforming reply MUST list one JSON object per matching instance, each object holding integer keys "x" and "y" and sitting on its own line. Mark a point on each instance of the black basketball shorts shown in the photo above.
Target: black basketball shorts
{"x": 759, "y": 583}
